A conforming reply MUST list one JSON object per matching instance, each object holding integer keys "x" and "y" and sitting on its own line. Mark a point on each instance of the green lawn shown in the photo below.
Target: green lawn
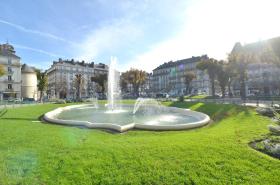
{"x": 37, "y": 153}
{"x": 197, "y": 97}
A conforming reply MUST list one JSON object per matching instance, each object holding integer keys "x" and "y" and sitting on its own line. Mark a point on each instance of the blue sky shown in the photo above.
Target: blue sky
{"x": 140, "y": 33}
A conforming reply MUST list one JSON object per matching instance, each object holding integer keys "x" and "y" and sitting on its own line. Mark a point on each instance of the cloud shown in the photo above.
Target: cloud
{"x": 36, "y": 32}
{"x": 109, "y": 38}
{"x": 37, "y": 50}
{"x": 212, "y": 27}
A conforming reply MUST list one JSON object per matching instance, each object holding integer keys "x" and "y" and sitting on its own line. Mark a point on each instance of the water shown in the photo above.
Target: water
{"x": 147, "y": 106}
{"x": 125, "y": 116}
{"x": 113, "y": 93}
{"x": 94, "y": 102}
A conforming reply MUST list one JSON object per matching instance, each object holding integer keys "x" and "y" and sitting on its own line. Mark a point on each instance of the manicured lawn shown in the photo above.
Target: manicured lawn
{"x": 38, "y": 153}
{"x": 197, "y": 97}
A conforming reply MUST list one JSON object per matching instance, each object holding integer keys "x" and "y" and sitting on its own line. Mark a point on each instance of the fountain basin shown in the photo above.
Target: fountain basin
{"x": 85, "y": 115}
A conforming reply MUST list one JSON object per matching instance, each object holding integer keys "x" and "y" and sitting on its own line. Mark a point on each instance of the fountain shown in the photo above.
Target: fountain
{"x": 113, "y": 93}
{"x": 146, "y": 113}
{"x": 112, "y": 84}
{"x": 148, "y": 105}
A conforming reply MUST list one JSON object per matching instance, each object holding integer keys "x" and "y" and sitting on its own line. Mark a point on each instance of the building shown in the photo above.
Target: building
{"x": 10, "y": 83}
{"x": 146, "y": 89}
{"x": 170, "y": 77}
{"x": 61, "y": 78}
{"x": 263, "y": 76}
{"x": 28, "y": 82}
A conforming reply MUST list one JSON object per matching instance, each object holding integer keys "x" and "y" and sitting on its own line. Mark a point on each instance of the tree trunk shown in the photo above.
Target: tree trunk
{"x": 242, "y": 86}
{"x": 41, "y": 96}
{"x": 78, "y": 94}
{"x": 102, "y": 88}
{"x": 229, "y": 89}
{"x": 223, "y": 91}
{"x": 136, "y": 90}
{"x": 213, "y": 87}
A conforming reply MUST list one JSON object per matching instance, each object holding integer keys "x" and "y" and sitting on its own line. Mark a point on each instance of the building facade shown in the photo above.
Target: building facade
{"x": 61, "y": 78}
{"x": 10, "y": 83}
{"x": 170, "y": 77}
{"x": 263, "y": 75}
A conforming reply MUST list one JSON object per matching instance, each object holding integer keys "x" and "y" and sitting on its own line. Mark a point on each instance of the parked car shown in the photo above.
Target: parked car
{"x": 162, "y": 95}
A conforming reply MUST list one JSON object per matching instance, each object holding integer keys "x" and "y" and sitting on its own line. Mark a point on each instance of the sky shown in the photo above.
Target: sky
{"x": 140, "y": 33}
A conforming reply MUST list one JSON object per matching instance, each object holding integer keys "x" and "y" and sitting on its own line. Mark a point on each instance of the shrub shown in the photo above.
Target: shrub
{"x": 181, "y": 98}
{"x": 60, "y": 101}
{"x": 57, "y": 101}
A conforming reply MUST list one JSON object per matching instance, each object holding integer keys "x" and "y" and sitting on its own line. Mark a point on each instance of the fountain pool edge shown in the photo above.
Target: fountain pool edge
{"x": 51, "y": 117}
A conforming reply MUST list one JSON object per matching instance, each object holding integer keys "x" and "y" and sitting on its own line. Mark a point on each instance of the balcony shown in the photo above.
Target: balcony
{"x": 10, "y": 90}
{"x": 8, "y": 81}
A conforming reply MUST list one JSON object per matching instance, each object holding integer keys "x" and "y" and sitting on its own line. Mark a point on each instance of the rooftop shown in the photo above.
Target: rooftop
{"x": 27, "y": 69}
{"x": 183, "y": 61}
{"x": 272, "y": 44}
{"x": 8, "y": 50}
{"x": 82, "y": 63}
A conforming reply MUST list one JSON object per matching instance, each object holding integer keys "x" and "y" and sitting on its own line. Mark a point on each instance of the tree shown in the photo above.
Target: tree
{"x": 239, "y": 60}
{"x": 232, "y": 74}
{"x": 189, "y": 77}
{"x": 134, "y": 77}
{"x": 124, "y": 82}
{"x": 78, "y": 83}
{"x": 2, "y": 70}
{"x": 42, "y": 83}
{"x": 101, "y": 81}
{"x": 223, "y": 77}
{"x": 211, "y": 66}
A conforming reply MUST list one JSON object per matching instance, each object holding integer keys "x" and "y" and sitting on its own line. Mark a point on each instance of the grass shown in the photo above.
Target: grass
{"x": 36, "y": 153}
{"x": 197, "y": 97}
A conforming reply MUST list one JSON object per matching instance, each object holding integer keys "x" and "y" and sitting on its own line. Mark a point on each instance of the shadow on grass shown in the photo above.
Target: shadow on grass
{"x": 216, "y": 112}
{"x": 19, "y": 119}
{"x": 3, "y": 112}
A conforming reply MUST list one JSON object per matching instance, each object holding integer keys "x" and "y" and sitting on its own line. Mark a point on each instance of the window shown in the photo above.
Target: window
{"x": 9, "y": 69}
{"x": 10, "y": 78}
{"x": 10, "y": 86}
{"x": 9, "y": 61}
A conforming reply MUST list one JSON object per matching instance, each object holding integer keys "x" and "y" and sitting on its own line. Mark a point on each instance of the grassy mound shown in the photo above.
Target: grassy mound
{"x": 36, "y": 153}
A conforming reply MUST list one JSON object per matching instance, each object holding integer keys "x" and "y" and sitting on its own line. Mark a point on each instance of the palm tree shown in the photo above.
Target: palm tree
{"x": 211, "y": 66}
{"x": 78, "y": 83}
{"x": 136, "y": 78}
{"x": 223, "y": 77}
{"x": 239, "y": 60}
{"x": 189, "y": 77}
{"x": 42, "y": 83}
{"x": 124, "y": 82}
{"x": 2, "y": 70}
{"x": 232, "y": 74}
{"x": 101, "y": 81}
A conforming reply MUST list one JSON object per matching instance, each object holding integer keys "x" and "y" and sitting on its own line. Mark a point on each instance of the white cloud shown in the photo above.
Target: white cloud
{"x": 123, "y": 34}
{"x": 109, "y": 38}
{"x": 212, "y": 27}
{"x": 37, "y": 50}
{"x": 40, "y": 33}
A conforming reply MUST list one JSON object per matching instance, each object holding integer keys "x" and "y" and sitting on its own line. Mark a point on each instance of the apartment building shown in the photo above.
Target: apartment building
{"x": 170, "y": 77}
{"x": 61, "y": 78}
{"x": 263, "y": 75}
{"x": 10, "y": 83}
